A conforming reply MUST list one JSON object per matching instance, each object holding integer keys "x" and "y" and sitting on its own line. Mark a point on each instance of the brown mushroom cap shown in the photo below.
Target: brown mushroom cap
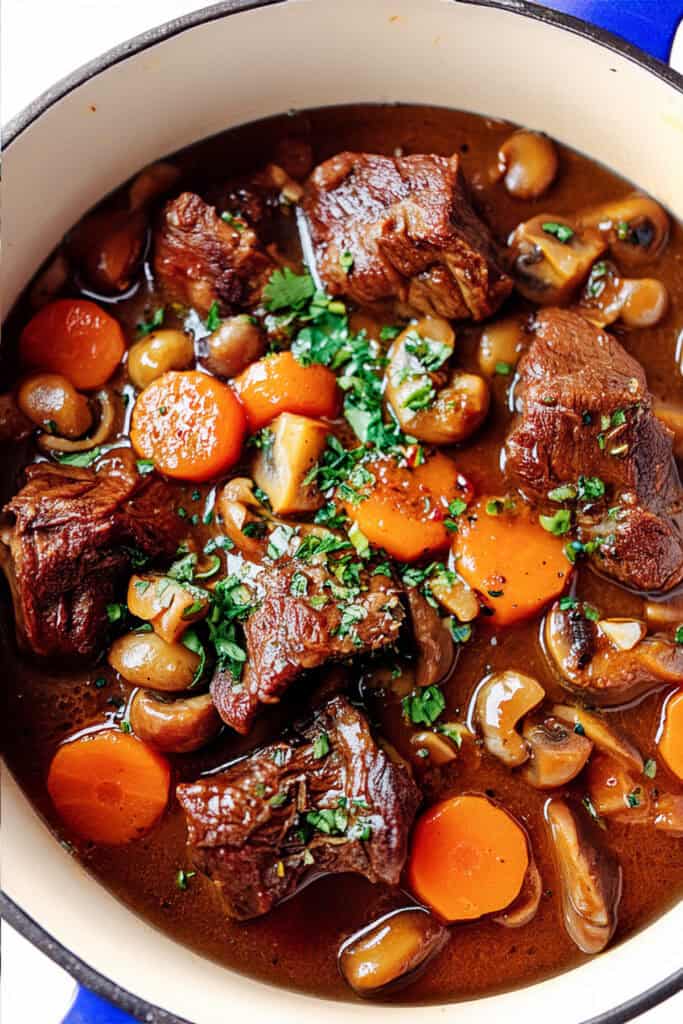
{"x": 590, "y": 880}
{"x": 527, "y": 162}
{"x": 604, "y": 663}
{"x": 391, "y": 951}
{"x": 557, "y": 753}
{"x": 174, "y": 726}
{"x": 500, "y": 701}
{"x": 636, "y": 228}
{"x": 435, "y": 649}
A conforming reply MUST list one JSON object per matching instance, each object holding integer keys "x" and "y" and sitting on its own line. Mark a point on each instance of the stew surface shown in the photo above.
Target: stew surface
{"x": 427, "y": 566}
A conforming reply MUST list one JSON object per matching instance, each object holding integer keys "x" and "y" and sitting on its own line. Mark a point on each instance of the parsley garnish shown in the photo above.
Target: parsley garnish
{"x": 321, "y": 746}
{"x": 182, "y": 879}
{"x": 423, "y": 707}
{"x": 562, "y": 232}
{"x": 346, "y": 261}
{"x": 82, "y": 459}
{"x": 287, "y": 290}
{"x": 559, "y": 523}
{"x": 147, "y": 326}
{"x": 213, "y": 320}
{"x": 298, "y": 585}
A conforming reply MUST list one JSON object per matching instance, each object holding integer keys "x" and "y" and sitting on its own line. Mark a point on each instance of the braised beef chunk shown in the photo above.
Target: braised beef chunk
{"x": 287, "y": 634}
{"x": 200, "y": 258}
{"x": 326, "y": 800}
{"x": 586, "y": 413}
{"x": 70, "y": 539}
{"x": 412, "y": 233}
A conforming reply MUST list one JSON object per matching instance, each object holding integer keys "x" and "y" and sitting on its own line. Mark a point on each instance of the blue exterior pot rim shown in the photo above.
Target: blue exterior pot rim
{"x": 9, "y": 910}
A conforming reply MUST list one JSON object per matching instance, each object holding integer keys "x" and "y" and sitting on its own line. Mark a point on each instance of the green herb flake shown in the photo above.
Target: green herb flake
{"x": 321, "y": 746}
{"x": 287, "y": 290}
{"x": 678, "y": 635}
{"x": 565, "y": 492}
{"x": 460, "y": 631}
{"x": 82, "y": 459}
{"x": 503, "y": 368}
{"x": 117, "y": 612}
{"x": 568, "y": 603}
{"x": 557, "y": 524}
{"x": 145, "y": 466}
{"x": 298, "y": 585}
{"x": 590, "y": 612}
{"x": 278, "y": 800}
{"x": 125, "y": 726}
{"x": 423, "y": 707}
{"x": 234, "y": 221}
{"x": 650, "y": 768}
{"x": 346, "y": 261}
{"x": 147, "y": 326}
{"x": 182, "y": 879}
{"x": 100, "y": 682}
{"x": 213, "y": 320}
{"x": 618, "y": 418}
{"x": 562, "y": 232}
{"x": 633, "y": 798}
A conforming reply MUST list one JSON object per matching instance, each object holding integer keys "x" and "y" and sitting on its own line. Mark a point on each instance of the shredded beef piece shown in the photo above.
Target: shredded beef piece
{"x": 411, "y": 230}
{"x": 256, "y": 830}
{"x": 68, "y": 543}
{"x": 200, "y": 259}
{"x": 287, "y": 634}
{"x": 585, "y": 410}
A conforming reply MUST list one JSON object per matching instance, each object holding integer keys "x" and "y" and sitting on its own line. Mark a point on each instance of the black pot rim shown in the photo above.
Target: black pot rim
{"x": 9, "y": 910}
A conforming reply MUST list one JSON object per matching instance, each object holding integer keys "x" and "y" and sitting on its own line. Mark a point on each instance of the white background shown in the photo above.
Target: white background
{"x": 43, "y": 40}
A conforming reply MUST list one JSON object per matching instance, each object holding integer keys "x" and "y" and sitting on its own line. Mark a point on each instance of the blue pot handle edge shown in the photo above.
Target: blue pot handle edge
{"x": 648, "y": 24}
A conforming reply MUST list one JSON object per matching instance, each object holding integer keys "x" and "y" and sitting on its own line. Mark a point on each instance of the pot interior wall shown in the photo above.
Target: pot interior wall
{"x": 209, "y": 78}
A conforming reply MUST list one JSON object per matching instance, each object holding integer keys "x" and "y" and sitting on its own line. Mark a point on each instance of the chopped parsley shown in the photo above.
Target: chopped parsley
{"x": 633, "y": 798}
{"x": 193, "y": 643}
{"x": 287, "y": 290}
{"x": 562, "y": 232}
{"x": 298, "y": 585}
{"x": 423, "y": 707}
{"x": 678, "y": 635}
{"x": 565, "y": 492}
{"x": 559, "y": 523}
{"x": 346, "y": 261}
{"x": 321, "y": 746}
{"x": 182, "y": 879}
{"x": 460, "y": 631}
{"x": 147, "y": 326}
{"x": 590, "y": 807}
{"x": 568, "y": 604}
{"x": 278, "y": 800}
{"x": 231, "y": 605}
{"x": 116, "y": 612}
{"x": 213, "y": 320}
{"x": 503, "y": 368}
{"x": 145, "y": 466}
{"x": 82, "y": 459}
{"x": 590, "y": 612}
{"x": 650, "y": 768}
{"x": 235, "y": 222}
{"x": 590, "y": 488}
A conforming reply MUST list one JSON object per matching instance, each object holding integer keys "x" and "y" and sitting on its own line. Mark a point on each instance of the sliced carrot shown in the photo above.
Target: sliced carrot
{"x": 192, "y": 426}
{"x": 278, "y": 383}
{"x": 468, "y": 858}
{"x": 108, "y": 787}
{"x": 670, "y": 739}
{"x": 516, "y": 565}
{"x": 76, "y": 338}
{"x": 405, "y": 510}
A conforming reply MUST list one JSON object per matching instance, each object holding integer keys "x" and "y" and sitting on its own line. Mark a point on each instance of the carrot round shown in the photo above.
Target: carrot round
{"x": 406, "y": 510}
{"x": 514, "y": 563}
{"x": 278, "y": 383}
{"x": 468, "y": 858}
{"x": 670, "y": 740}
{"x": 192, "y": 426}
{"x": 108, "y": 787}
{"x": 76, "y": 338}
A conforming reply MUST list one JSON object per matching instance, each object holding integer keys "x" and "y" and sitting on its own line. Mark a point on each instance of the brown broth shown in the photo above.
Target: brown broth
{"x": 296, "y": 944}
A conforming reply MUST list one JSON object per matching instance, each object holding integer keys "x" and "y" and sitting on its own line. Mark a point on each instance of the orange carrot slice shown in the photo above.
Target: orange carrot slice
{"x": 406, "y": 510}
{"x": 76, "y": 338}
{"x": 670, "y": 740}
{"x": 469, "y": 857}
{"x": 516, "y": 565}
{"x": 192, "y": 426}
{"x": 279, "y": 383}
{"x": 108, "y": 787}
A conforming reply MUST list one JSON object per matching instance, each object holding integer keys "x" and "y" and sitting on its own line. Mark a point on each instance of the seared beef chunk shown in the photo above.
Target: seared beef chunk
{"x": 290, "y": 632}
{"x": 73, "y": 533}
{"x": 586, "y": 412}
{"x": 412, "y": 233}
{"x": 199, "y": 258}
{"x": 327, "y": 800}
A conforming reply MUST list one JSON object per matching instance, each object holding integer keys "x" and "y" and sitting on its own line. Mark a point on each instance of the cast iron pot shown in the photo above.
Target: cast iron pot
{"x": 231, "y": 63}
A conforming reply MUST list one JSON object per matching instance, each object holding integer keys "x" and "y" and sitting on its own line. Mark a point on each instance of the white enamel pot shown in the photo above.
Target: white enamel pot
{"x": 221, "y": 67}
